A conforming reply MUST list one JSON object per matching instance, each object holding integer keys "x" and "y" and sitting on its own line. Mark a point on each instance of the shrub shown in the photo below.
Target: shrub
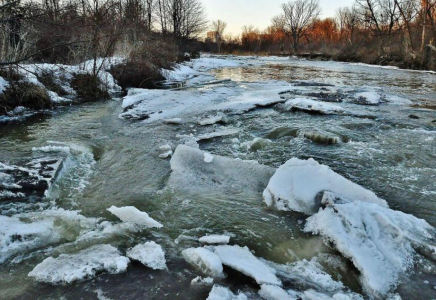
{"x": 89, "y": 87}
{"x": 24, "y": 94}
{"x": 143, "y": 67}
{"x": 48, "y": 80}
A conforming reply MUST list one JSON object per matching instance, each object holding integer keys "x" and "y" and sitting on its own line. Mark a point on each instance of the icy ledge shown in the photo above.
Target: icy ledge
{"x": 68, "y": 268}
{"x": 296, "y": 186}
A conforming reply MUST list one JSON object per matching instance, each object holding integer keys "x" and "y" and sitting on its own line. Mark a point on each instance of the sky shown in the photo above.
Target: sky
{"x": 237, "y": 13}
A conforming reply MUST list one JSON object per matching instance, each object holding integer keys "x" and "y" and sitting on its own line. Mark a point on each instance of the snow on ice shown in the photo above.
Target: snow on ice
{"x": 149, "y": 254}
{"x": 308, "y": 105}
{"x": 133, "y": 215}
{"x": 85, "y": 264}
{"x": 296, "y": 184}
{"x": 379, "y": 241}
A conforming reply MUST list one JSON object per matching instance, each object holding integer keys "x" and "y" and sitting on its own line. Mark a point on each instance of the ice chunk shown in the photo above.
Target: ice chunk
{"x": 174, "y": 121}
{"x": 256, "y": 144}
{"x": 242, "y": 260}
{"x": 368, "y": 98}
{"x": 379, "y": 241}
{"x": 189, "y": 171}
{"x": 309, "y": 105}
{"x": 296, "y": 184}
{"x": 68, "y": 268}
{"x": 149, "y": 254}
{"x": 218, "y": 133}
{"x": 165, "y": 147}
{"x": 208, "y": 158}
{"x": 255, "y": 95}
{"x": 222, "y": 293}
{"x": 200, "y": 280}
{"x": 309, "y": 274}
{"x": 29, "y": 231}
{"x": 133, "y": 215}
{"x": 273, "y": 292}
{"x": 211, "y": 120}
{"x": 314, "y": 295}
{"x": 166, "y": 154}
{"x": 215, "y": 239}
{"x": 205, "y": 260}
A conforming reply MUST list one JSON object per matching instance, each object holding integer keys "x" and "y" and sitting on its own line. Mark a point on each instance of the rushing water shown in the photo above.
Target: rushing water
{"x": 391, "y": 154}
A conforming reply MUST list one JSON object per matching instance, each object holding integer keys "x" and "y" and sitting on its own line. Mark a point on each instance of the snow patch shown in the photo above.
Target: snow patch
{"x": 3, "y": 84}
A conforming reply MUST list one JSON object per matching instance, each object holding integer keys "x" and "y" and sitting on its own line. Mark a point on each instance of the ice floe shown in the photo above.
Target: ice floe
{"x": 368, "y": 98}
{"x": 312, "y": 106}
{"x": 29, "y": 231}
{"x": 205, "y": 260}
{"x": 161, "y": 105}
{"x": 189, "y": 171}
{"x": 296, "y": 185}
{"x": 85, "y": 264}
{"x": 211, "y": 120}
{"x": 223, "y": 293}
{"x": 381, "y": 242}
{"x": 214, "y": 239}
{"x": 149, "y": 254}
{"x": 174, "y": 121}
{"x": 308, "y": 274}
{"x": 242, "y": 260}
{"x": 133, "y": 215}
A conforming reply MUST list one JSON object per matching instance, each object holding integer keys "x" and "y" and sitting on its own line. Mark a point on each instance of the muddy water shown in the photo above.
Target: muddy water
{"x": 392, "y": 154}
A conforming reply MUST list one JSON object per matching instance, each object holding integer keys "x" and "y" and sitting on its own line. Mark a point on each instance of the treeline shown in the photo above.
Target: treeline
{"x": 395, "y": 32}
{"x": 151, "y": 34}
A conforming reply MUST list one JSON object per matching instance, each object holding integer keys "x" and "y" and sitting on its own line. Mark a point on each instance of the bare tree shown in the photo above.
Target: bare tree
{"x": 297, "y": 18}
{"x": 219, "y": 27}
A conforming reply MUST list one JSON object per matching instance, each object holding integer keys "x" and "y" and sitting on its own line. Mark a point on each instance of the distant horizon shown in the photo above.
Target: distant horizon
{"x": 237, "y": 13}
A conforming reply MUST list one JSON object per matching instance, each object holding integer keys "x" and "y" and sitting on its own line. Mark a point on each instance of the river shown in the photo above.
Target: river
{"x": 115, "y": 161}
